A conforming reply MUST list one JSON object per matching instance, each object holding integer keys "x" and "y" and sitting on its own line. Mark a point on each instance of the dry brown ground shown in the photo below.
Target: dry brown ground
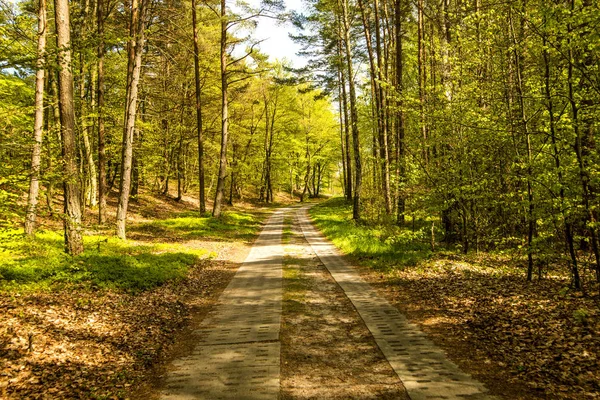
{"x": 81, "y": 343}
{"x": 327, "y": 351}
{"x": 524, "y": 341}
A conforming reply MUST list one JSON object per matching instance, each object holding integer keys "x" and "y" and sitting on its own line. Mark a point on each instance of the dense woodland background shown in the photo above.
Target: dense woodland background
{"x": 478, "y": 117}
{"x": 280, "y": 132}
{"x": 473, "y": 122}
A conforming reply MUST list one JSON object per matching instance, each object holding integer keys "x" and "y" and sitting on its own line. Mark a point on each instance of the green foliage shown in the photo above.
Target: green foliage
{"x": 107, "y": 262}
{"x": 382, "y": 247}
{"x": 16, "y": 122}
{"x": 232, "y": 225}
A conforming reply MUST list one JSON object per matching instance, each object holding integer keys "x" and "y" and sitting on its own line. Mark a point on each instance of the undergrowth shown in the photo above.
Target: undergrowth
{"x": 232, "y": 225}
{"x": 383, "y": 247}
{"x": 40, "y": 263}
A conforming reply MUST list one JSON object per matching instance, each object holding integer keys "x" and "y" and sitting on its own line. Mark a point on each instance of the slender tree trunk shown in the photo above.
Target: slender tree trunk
{"x": 383, "y": 133}
{"x": 89, "y": 157}
{"x": 180, "y": 155}
{"x": 224, "y": 116}
{"x": 556, "y": 153}
{"x": 353, "y": 113}
{"x": 400, "y": 145}
{"x": 342, "y": 144}
{"x": 135, "y": 49}
{"x": 262, "y": 196}
{"x": 349, "y": 187}
{"x": 72, "y": 206}
{"x": 378, "y": 103}
{"x": 179, "y": 169}
{"x": 584, "y": 120}
{"x": 38, "y": 124}
{"x": 525, "y": 126}
{"x": 102, "y": 184}
{"x": 575, "y": 116}
{"x": 201, "y": 190}
{"x": 50, "y": 127}
{"x": 91, "y": 185}
{"x": 307, "y": 174}
{"x": 421, "y": 66}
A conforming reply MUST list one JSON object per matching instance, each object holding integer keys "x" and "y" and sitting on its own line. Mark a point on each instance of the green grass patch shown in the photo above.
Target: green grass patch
{"x": 232, "y": 226}
{"x": 383, "y": 247}
{"x": 40, "y": 262}
{"x": 287, "y": 233}
{"x": 294, "y": 285}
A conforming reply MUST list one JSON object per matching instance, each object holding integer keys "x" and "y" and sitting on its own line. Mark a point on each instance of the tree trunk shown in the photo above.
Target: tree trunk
{"x": 199, "y": 127}
{"x": 72, "y": 206}
{"x": 51, "y": 127}
{"x": 349, "y": 179}
{"x": 342, "y": 144}
{"x": 224, "y": 116}
{"x": 135, "y": 48}
{"x": 519, "y": 67}
{"x": 586, "y": 142}
{"x": 89, "y": 158}
{"x": 102, "y": 182}
{"x": 400, "y": 145}
{"x": 353, "y": 113}
{"x": 38, "y": 124}
{"x": 91, "y": 187}
{"x": 421, "y": 65}
{"x": 383, "y": 133}
{"x": 556, "y": 153}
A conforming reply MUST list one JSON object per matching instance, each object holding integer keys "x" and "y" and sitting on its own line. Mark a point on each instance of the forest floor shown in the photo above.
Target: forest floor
{"x": 106, "y": 324}
{"x": 102, "y": 324}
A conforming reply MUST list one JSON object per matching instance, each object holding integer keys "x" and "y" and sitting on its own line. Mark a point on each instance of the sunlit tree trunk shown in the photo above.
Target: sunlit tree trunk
{"x": 353, "y": 111}
{"x": 224, "y": 116}
{"x": 342, "y": 144}
{"x": 34, "y": 184}
{"x": 102, "y": 184}
{"x": 199, "y": 127}
{"x": 344, "y": 103}
{"x": 421, "y": 66}
{"x": 91, "y": 185}
{"x": 135, "y": 48}
{"x": 72, "y": 206}
{"x": 400, "y": 145}
{"x": 383, "y": 133}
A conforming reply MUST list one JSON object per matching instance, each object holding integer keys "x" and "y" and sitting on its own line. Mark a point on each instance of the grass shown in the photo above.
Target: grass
{"x": 294, "y": 292}
{"x": 107, "y": 262}
{"x": 233, "y": 225}
{"x": 382, "y": 247}
{"x": 287, "y": 234}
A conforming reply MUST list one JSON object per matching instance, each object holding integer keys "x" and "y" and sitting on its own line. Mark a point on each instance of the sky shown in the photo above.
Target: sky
{"x": 277, "y": 43}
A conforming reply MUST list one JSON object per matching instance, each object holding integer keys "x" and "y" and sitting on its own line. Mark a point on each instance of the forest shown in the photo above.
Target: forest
{"x": 458, "y": 139}
{"x": 475, "y": 119}
{"x": 204, "y": 114}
